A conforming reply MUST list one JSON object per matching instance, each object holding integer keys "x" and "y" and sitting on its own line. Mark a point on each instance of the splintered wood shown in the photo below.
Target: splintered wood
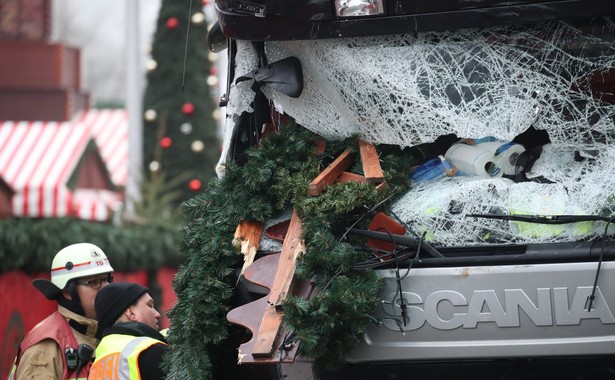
{"x": 251, "y": 315}
{"x": 292, "y": 248}
{"x": 248, "y": 234}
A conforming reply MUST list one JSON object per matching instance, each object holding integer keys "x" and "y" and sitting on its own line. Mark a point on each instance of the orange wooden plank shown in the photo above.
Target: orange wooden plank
{"x": 382, "y": 186}
{"x": 330, "y": 174}
{"x": 350, "y": 177}
{"x": 292, "y": 248}
{"x": 371, "y": 162}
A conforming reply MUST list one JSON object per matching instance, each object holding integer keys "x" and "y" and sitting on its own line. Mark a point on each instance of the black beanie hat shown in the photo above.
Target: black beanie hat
{"x": 113, "y": 299}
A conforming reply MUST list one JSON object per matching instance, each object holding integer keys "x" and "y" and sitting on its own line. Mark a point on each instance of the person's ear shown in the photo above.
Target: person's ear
{"x": 130, "y": 314}
{"x": 67, "y": 295}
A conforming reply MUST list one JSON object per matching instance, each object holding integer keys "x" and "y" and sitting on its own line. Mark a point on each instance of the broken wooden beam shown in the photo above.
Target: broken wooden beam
{"x": 250, "y": 316}
{"x": 330, "y": 174}
{"x": 292, "y": 248}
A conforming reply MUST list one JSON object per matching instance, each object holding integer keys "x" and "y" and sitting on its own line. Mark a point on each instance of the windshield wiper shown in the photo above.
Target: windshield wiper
{"x": 546, "y": 219}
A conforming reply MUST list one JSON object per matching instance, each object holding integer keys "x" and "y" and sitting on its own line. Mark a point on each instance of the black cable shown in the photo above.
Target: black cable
{"x": 593, "y": 295}
{"x": 416, "y": 256}
{"x": 406, "y": 241}
{"x": 368, "y": 212}
{"x": 377, "y": 262}
{"x": 406, "y": 226}
{"x": 397, "y": 259}
{"x": 285, "y": 342}
{"x": 402, "y": 305}
{"x": 398, "y": 278}
{"x": 335, "y": 275}
{"x": 77, "y": 372}
{"x": 186, "y": 47}
{"x": 84, "y": 355}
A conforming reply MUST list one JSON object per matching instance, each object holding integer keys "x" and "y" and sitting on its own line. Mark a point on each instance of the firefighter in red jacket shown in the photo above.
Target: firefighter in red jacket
{"x": 61, "y": 346}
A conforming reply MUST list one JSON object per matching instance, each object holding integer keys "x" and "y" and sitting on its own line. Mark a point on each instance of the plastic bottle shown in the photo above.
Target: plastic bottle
{"x": 435, "y": 168}
{"x": 472, "y": 161}
{"x": 505, "y": 154}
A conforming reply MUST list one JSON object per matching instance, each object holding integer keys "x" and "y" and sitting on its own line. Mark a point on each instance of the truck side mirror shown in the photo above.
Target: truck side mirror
{"x": 285, "y": 76}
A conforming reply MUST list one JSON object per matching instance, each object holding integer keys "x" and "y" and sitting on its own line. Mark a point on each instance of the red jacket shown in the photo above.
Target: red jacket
{"x": 56, "y": 328}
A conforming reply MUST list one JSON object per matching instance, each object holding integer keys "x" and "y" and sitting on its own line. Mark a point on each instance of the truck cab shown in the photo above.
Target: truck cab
{"x": 508, "y": 263}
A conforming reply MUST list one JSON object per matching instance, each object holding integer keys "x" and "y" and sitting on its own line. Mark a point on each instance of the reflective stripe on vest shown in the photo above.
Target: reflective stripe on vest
{"x": 117, "y": 357}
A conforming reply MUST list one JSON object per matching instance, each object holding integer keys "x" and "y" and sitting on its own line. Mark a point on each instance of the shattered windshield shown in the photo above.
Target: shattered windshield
{"x": 410, "y": 89}
{"x": 555, "y": 79}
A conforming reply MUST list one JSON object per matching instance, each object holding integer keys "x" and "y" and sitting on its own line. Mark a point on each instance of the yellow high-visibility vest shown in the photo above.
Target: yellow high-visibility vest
{"x": 117, "y": 357}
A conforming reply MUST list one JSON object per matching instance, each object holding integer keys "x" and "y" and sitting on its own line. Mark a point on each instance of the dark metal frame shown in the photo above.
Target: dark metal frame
{"x": 315, "y": 19}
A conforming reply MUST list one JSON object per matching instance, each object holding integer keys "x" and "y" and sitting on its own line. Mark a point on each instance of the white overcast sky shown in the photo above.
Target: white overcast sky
{"x": 98, "y": 27}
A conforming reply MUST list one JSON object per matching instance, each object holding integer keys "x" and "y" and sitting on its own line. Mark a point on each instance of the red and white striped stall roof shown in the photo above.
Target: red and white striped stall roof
{"x": 38, "y": 158}
{"x": 110, "y": 130}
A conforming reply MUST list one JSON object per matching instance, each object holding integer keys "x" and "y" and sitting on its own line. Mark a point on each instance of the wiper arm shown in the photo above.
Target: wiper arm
{"x": 406, "y": 241}
{"x": 546, "y": 219}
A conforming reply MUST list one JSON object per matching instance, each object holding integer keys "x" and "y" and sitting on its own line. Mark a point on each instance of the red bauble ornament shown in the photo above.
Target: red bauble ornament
{"x": 195, "y": 184}
{"x": 172, "y": 22}
{"x": 204, "y": 2}
{"x": 166, "y": 142}
{"x": 188, "y": 108}
{"x": 213, "y": 70}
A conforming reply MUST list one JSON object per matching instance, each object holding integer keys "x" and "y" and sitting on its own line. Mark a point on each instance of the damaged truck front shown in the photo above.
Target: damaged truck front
{"x": 497, "y": 260}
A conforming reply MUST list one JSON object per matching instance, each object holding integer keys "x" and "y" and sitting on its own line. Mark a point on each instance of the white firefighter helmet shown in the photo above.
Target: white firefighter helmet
{"x": 78, "y": 260}
{"x": 72, "y": 262}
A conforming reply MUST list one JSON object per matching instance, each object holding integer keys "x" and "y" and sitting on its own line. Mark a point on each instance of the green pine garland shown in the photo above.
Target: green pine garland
{"x": 29, "y": 245}
{"x": 275, "y": 178}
